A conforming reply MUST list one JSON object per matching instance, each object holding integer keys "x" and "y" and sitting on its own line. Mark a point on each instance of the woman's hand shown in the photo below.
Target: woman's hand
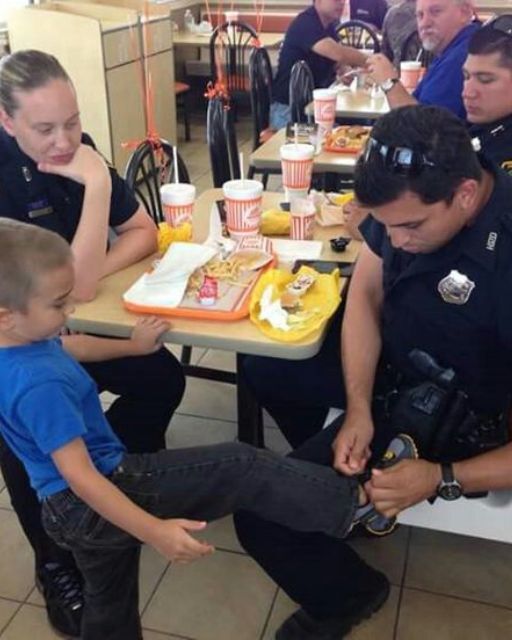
{"x": 86, "y": 167}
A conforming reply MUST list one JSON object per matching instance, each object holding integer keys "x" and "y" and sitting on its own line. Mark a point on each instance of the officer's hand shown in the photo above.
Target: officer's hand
{"x": 352, "y": 444}
{"x": 86, "y": 167}
{"x": 407, "y": 483}
{"x": 380, "y": 68}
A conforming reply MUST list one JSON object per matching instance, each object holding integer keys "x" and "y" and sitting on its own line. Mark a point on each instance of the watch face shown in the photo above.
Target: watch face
{"x": 451, "y": 491}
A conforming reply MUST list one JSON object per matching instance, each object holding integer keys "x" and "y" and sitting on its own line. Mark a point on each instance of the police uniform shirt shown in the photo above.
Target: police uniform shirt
{"x": 48, "y": 200}
{"x": 467, "y": 327}
{"x": 495, "y": 141}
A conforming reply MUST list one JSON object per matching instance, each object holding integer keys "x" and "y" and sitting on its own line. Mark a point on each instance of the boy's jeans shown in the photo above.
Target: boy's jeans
{"x": 202, "y": 483}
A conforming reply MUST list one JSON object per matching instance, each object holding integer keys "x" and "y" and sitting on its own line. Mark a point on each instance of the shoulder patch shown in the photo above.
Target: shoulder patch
{"x": 507, "y": 166}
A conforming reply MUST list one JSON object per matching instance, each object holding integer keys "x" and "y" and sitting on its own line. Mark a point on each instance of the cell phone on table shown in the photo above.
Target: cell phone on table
{"x": 326, "y": 266}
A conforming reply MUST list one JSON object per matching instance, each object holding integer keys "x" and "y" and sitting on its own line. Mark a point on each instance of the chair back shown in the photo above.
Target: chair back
{"x": 148, "y": 168}
{"x": 301, "y": 88}
{"x": 412, "y": 49}
{"x": 359, "y": 35}
{"x": 260, "y": 76}
{"x": 230, "y": 46}
{"x": 221, "y": 139}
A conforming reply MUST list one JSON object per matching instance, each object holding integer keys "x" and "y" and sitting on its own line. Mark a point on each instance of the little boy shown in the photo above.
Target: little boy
{"x": 97, "y": 500}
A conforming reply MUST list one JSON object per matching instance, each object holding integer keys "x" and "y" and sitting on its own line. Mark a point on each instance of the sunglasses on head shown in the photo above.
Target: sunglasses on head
{"x": 402, "y": 160}
{"x": 503, "y": 24}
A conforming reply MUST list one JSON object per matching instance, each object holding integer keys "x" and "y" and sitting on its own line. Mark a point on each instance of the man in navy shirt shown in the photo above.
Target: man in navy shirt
{"x": 311, "y": 37}
{"x": 487, "y": 90}
{"x": 445, "y": 29}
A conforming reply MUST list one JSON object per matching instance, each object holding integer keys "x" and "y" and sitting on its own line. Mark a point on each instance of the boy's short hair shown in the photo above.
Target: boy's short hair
{"x": 26, "y": 252}
{"x": 422, "y": 149}
{"x": 492, "y": 39}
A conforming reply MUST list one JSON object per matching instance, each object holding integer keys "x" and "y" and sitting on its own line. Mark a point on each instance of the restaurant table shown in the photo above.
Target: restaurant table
{"x": 187, "y": 38}
{"x": 106, "y": 315}
{"x": 357, "y": 104}
{"x": 266, "y": 157}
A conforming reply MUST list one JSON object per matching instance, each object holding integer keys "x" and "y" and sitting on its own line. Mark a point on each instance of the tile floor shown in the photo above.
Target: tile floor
{"x": 445, "y": 587}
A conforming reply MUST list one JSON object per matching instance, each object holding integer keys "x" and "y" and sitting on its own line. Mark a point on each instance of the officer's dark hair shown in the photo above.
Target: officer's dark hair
{"x": 26, "y": 253}
{"x": 435, "y": 135}
{"x": 488, "y": 40}
{"x": 25, "y": 71}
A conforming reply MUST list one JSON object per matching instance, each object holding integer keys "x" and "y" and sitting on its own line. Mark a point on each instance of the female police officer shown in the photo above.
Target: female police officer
{"x": 51, "y": 176}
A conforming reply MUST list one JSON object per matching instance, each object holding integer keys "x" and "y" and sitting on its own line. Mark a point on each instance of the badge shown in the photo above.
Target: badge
{"x": 39, "y": 208}
{"x": 455, "y": 288}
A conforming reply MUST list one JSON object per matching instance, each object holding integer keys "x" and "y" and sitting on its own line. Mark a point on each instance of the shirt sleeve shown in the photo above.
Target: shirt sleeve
{"x": 306, "y": 32}
{"x": 52, "y": 415}
{"x": 373, "y": 233}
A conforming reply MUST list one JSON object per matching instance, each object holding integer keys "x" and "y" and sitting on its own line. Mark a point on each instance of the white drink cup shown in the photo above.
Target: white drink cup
{"x": 324, "y": 102}
{"x": 302, "y": 214}
{"x": 410, "y": 71}
{"x": 178, "y": 202}
{"x": 243, "y": 207}
{"x": 297, "y": 167}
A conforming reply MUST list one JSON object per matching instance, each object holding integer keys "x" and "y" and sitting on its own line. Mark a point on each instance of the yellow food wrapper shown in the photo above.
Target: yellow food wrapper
{"x": 168, "y": 234}
{"x": 340, "y": 199}
{"x": 319, "y": 302}
{"x": 275, "y": 222}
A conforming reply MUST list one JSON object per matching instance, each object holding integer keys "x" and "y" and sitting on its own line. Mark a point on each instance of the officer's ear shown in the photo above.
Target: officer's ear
{"x": 6, "y": 122}
{"x": 6, "y": 319}
{"x": 466, "y": 194}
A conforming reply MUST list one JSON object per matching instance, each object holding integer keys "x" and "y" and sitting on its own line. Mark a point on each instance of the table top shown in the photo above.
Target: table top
{"x": 357, "y": 103}
{"x": 186, "y": 38}
{"x": 105, "y": 315}
{"x": 267, "y": 157}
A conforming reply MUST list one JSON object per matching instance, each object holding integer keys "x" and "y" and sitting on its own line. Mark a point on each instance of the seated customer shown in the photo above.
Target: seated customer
{"x": 487, "y": 90}
{"x": 311, "y": 37}
{"x": 445, "y": 28}
{"x": 372, "y": 12}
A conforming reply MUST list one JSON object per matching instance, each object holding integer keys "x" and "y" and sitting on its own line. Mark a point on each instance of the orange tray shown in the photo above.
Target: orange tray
{"x": 239, "y": 310}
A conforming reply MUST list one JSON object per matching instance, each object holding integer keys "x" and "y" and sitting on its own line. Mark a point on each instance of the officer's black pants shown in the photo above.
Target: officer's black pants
{"x": 150, "y": 389}
{"x": 299, "y": 393}
{"x": 322, "y": 574}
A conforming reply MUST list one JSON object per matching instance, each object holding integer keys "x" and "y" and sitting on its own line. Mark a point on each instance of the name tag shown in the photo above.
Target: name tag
{"x": 39, "y": 208}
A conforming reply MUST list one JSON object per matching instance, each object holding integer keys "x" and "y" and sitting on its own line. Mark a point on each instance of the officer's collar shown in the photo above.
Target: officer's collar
{"x": 12, "y": 152}
{"x": 480, "y": 240}
{"x": 486, "y": 132}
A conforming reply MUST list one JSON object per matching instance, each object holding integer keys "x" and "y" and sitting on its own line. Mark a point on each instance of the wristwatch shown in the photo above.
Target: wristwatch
{"x": 449, "y": 488}
{"x": 388, "y": 84}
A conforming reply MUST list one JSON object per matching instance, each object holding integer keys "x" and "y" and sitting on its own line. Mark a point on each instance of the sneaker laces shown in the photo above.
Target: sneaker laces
{"x": 66, "y": 585}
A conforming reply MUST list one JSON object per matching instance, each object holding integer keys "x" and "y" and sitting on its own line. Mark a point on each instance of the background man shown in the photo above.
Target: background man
{"x": 487, "y": 92}
{"x": 430, "y": 276}
{"x": 445, "y": 29}
{"x": 311, "y": 37}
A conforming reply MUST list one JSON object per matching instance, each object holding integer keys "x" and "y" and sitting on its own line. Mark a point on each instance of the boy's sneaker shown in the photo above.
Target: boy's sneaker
{"x": 302, "y": 626}
{"x": 402, "y": 447}
{"x": 61, "y": 588}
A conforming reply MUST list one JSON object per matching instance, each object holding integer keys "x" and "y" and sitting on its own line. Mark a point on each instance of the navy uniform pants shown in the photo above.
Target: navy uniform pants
{"x": 150, "y": 389}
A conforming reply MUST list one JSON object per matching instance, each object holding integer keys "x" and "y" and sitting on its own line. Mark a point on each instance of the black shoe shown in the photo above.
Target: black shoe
{"x": 302, "y": 626}
{"x": 402, "y": 447}
{"x": 61, "y": 588}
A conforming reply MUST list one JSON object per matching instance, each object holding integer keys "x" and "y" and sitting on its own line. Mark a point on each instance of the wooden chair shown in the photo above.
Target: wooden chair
{"x": 359, "y": 35}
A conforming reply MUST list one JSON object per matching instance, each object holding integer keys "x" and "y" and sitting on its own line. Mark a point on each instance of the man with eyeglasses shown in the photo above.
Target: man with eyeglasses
{"x": 433, "y": 276}
{"x": 445, "y": 28}
{"x": 487, "y": 92}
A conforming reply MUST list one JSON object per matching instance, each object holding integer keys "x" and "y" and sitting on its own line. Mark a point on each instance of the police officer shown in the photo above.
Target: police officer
{"x": 487, "y": 92}
{"x": 51, "y": 176}
{"x": 433, "y": 274}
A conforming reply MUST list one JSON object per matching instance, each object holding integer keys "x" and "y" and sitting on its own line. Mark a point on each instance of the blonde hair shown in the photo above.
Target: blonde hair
{"x": 25, "y": 71}
{"x": 27, "y": 252}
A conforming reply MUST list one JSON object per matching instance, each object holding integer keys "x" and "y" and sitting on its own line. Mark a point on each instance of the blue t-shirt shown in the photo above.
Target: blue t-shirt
{"x": 46, "y": 401}
{"x": 302, "y": 35}
{"x": 442, "y": 84}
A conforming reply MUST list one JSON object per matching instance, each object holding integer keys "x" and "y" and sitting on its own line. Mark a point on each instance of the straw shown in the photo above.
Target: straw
{"x": 296, "y": 133}
{"x": 419, "y": 54}
{"x": 175, "y": 159}
{"x": 242, "y": 172}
